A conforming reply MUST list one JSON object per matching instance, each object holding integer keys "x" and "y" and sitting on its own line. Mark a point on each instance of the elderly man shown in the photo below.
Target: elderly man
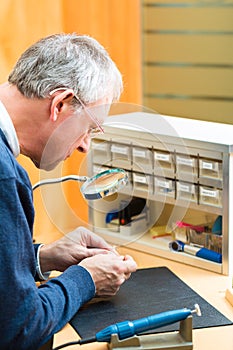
{"x": 44, "y": 115}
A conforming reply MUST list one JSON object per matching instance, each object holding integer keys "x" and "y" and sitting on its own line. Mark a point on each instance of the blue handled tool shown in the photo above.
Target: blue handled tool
{"x": 203, "y": 253}
{"x": 128, "y": 329}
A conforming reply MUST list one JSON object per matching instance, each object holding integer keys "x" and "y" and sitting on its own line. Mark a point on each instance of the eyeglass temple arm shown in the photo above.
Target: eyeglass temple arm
{"x": 89, "y": 113}
{"x": 83, "y": 106}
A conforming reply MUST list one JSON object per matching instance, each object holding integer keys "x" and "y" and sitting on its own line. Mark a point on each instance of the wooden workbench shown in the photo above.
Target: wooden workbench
{"x": 209, "y": 285}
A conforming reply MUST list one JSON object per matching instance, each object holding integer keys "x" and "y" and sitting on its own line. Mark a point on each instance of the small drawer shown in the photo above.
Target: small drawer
{"x": 97, "y": 168}
{"x": 121, "y": 155}
{"x": 210, "y": 196}
{"x": 187, "y": 191}
{"x": 100, "y": 151}
{"x": 142, "y": 159}
{"x": 164, "y": 187}
{"x": 142, "y": 182}
{"x": 186, "y": 166}
{"x": 163, "y": 162}
{"x": 118, "y": 149}
{"x": 210, "y": 168}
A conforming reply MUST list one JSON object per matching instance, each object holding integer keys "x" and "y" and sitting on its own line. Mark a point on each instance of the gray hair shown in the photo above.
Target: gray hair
{"x": 71, "y": 61}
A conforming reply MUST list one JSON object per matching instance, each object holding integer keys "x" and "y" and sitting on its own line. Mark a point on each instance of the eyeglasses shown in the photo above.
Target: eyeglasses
{"x": 92, "y": 132}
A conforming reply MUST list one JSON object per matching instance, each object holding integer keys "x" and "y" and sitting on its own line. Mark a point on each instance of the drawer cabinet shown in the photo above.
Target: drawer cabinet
{"x": 183, "y": 170}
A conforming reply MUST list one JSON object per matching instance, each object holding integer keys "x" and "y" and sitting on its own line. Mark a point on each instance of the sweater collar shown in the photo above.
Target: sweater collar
{"x": 9, "y": 131}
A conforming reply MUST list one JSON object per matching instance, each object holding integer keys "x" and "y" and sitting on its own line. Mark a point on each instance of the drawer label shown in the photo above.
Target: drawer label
{"x": 162, "y": 156}
{"x": 101, "y": 146}
{"x": 186, "y": 188}
{"x": 185, "y": 161}
{"x": 209, "y": 193}
{"x": 163, "y": 184}
{"x": 140, "y": 178}
{"x": 118, "y": 149}
{"x": 139, "y": 153}
{"x": 207, "y": 165}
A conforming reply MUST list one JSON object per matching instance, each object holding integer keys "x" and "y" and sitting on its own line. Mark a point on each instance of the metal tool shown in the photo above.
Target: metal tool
{"x": 201, "y": 252}
{"x": 127, "y": 329}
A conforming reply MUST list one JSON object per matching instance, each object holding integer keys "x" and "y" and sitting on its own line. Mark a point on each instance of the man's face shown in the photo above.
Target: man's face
{"x": 71, "y": 133}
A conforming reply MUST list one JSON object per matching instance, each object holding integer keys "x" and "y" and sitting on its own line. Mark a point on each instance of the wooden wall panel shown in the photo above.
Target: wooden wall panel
{"x": 190, "y": 108}
{"x": 189, "y": 81}
{"x": 21, "y": 23}
{"x": 188, "y": 58}
{"x": 192, "y": 49}
{"x": 188, "y": 17}
{"x": 116, "y": 24}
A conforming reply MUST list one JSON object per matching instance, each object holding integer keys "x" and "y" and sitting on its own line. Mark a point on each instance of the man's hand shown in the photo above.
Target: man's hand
{"x": 107, "y": 268}
{"x": 71, "y": 249}
{"x": 109, "y": 271}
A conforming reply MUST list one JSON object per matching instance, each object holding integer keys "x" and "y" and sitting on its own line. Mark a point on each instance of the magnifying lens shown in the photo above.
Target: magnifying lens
{"x": 96, "y": 187}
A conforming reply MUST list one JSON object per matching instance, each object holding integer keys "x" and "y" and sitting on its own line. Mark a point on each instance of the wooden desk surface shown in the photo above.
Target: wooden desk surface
{"x": 209, "y": 285}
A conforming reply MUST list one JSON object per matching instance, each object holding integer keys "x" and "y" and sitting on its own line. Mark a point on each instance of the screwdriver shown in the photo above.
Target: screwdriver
{"x": 127, "y": 329}
{"x": 201, "y": 252}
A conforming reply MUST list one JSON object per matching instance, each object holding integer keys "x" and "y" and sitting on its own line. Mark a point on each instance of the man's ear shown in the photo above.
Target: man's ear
{"x": 58, "y": 102}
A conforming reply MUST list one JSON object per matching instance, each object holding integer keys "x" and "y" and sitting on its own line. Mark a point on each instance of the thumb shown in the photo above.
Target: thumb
{"x": 96, "y": 251}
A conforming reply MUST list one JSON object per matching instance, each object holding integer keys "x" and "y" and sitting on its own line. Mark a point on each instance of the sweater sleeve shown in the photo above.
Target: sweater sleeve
{"x": 36, "y": 248}
{"x": 29, "y": 315}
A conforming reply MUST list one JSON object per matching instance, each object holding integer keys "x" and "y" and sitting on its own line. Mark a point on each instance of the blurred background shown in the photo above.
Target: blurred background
{"x": 176, "y": 57}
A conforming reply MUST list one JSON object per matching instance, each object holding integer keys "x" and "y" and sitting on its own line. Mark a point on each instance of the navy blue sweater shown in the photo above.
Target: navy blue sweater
{"x": 29, "y": 315}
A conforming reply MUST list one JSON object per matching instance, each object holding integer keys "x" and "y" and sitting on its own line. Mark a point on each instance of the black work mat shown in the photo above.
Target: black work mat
{"x": 147, "y": 292}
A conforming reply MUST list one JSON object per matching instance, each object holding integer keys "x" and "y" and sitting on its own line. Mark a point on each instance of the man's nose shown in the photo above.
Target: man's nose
{"x": 84, "y": 144}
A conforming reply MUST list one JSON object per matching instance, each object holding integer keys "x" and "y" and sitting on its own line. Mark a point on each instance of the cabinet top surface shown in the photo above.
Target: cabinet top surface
{"x": 189, "y": 129}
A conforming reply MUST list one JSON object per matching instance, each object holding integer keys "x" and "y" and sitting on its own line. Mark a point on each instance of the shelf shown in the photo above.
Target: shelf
{"x": 157, "y": 246}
